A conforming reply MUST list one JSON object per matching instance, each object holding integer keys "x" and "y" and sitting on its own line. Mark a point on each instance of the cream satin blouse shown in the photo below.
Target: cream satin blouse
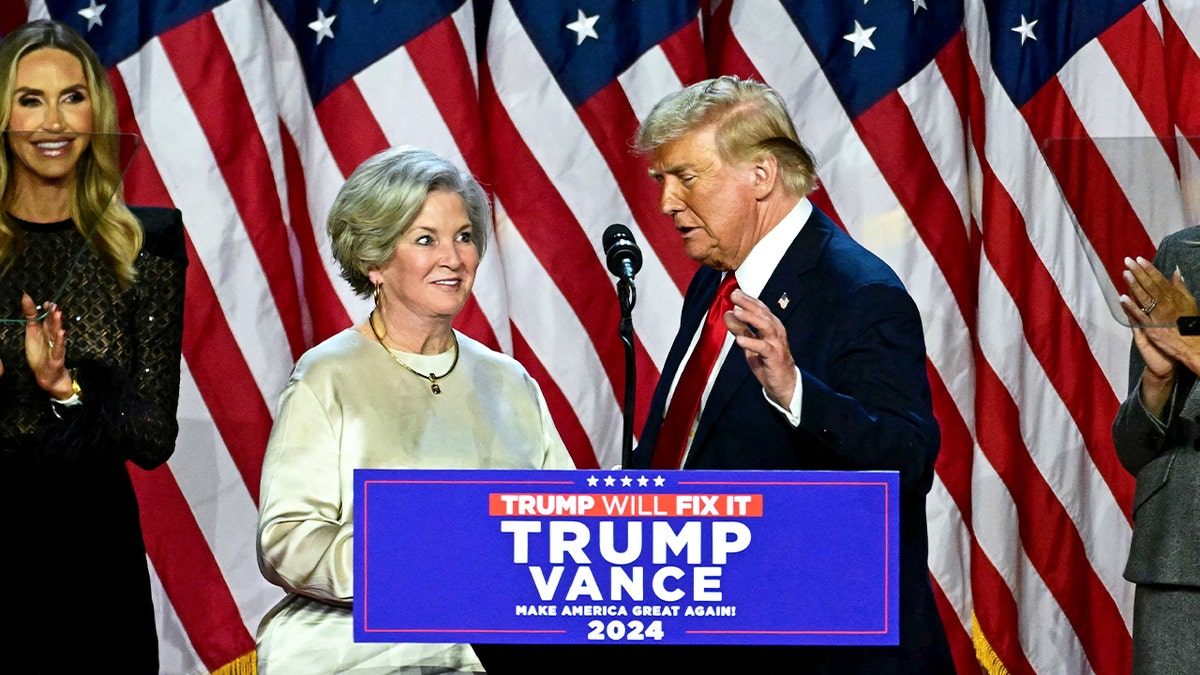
{"x": 348, "y": 405}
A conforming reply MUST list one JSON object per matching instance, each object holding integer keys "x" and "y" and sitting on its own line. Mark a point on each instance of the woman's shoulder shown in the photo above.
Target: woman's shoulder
{"x": 1188, "y": 236}
{"x": 486, "y": 357}
{"x": 163, "y": 230}
{"x": 481, "y": 352}
{"x": 331, "y": 355}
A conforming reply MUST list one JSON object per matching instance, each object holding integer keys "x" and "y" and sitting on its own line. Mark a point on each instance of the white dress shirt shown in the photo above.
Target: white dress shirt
{"x": 752, "y": 277}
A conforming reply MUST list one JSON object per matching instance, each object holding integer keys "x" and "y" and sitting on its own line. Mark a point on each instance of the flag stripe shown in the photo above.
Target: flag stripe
{"x": 349, "y": 128}
{"x": 1186, "y": 111}
{"x": 1004, "y": 175}
{"x": 444, "y": 67}
{"x": 1052, "y": 330}
{"x": 1143, "y": 71}
{"x": 565, "y": 420}
{"x": 227, "y": 121}
{"x": 557, "y": 350}
{"x": 609, "y": 119}
{"x": 183, "y": 561}
{"x": 233, "y": 399}
{"x": 890, "y": 136}
{"x": 1055, "y": 548}
{"x": 568, "y": 257}
{"x": 328, "y": 314}
{"x": 961, "y": 648}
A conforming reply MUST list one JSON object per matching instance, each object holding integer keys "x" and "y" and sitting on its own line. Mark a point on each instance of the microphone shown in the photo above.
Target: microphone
{"x": 624, "y": 261}
{"x": 624, "y": 256}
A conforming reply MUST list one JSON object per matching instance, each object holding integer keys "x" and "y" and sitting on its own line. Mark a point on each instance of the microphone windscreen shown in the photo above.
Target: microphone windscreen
{"x": 620, "y": 247}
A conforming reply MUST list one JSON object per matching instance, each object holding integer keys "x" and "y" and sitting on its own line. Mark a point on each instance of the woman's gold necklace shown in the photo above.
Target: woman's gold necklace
{"x": 433, "y": 379}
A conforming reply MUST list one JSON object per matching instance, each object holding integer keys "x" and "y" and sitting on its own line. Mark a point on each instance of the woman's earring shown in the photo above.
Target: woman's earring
{"x": 378, "y": 292}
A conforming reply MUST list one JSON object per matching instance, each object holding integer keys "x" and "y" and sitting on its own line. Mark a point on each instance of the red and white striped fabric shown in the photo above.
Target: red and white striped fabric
{"x": 970, "y": 187}
{"x": 937, "y": 130}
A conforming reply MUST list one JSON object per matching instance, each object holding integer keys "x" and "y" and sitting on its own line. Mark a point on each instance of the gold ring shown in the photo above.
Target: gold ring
{"x": 1150, "y": 307}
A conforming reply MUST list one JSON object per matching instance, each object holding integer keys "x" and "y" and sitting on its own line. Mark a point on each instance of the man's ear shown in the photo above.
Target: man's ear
{"x": 766, "y": 176}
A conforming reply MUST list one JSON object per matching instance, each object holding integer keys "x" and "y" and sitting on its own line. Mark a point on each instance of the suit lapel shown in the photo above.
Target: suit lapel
{"x": 801, "y": 257}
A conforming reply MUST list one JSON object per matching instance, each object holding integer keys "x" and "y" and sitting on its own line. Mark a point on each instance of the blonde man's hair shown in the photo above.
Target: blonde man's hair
{"x": 751, "y": 122}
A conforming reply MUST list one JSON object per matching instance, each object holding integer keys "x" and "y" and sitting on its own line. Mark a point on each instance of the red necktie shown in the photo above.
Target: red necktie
{"x": 685, "y": 404}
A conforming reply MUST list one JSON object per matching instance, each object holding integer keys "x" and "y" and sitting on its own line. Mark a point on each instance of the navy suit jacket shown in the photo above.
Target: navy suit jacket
{"x": 856, "y": 336}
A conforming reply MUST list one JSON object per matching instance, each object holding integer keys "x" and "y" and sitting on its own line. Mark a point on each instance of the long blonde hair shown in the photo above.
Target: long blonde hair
{"x": 117, "y": 235}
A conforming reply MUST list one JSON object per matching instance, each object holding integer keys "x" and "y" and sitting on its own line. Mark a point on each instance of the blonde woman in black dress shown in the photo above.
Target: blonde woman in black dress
{"x": 90, "y": 378}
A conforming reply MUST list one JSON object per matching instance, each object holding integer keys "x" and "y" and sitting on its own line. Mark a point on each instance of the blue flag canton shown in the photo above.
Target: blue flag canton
{"x": 868, "y": 49}
{"x": 587, "y": 44}
{"x": 118, "y": 30}
{"x": 362, "y": 33}
{"x": 1033, "y": 39}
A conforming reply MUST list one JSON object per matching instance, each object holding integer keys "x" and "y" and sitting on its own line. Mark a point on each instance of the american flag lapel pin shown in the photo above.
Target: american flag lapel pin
{"x": 783, "y": 301}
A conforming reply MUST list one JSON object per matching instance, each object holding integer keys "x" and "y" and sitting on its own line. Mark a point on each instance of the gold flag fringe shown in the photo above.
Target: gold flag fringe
{"x": 983, "y": 651}
{"x": 246, "y": 664}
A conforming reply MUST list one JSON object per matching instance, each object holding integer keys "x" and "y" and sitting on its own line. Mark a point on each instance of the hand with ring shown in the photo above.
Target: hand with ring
{"x": 1153, "y": 306}
{"x": 1154, "y": 301}
{"x": 45, "y": 347}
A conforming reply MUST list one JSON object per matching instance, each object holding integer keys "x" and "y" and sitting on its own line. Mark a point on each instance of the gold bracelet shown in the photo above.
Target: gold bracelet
{"x": 75, "y": 388}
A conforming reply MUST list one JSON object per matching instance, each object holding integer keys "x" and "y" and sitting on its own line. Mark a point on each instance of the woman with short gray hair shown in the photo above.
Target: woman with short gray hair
{"x": 401, "y": 390}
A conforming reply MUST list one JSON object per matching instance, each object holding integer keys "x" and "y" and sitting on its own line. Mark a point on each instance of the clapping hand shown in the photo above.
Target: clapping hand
{"x": 46, "y": 347}
{"x": 1153, "y": 306}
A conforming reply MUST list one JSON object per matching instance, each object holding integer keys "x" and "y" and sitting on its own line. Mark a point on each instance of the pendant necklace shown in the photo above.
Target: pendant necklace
{"x": 433, "y": 379}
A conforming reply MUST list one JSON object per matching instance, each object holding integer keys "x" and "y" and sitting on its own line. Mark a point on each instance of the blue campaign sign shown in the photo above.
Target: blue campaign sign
{"x": 668, "y": 557}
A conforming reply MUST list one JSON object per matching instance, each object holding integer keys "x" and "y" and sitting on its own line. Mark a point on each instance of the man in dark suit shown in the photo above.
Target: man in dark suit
{"x": 822, "y": 364}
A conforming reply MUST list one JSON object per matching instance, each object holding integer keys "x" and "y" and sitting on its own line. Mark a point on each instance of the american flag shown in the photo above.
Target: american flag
{"x": 1003, "y": 156}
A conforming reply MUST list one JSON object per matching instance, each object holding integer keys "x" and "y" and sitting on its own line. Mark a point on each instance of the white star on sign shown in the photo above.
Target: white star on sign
{"x": 92, "y": 13}
{"x": 592, "y": 480}
{"x": 626, "y": 481}
{"x": 659, "y": 480}
{"x": 609, "y": 481}
{"x": 861, "y": 37}
{"x": 643, "y": 481}
{"x": 323, "y": 26}
{"x": 584, "y": 27}
{"x": 1026, "y": 30}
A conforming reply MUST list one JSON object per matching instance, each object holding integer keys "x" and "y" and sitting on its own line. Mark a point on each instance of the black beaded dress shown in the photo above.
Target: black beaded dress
{"x": 74, "y": 570}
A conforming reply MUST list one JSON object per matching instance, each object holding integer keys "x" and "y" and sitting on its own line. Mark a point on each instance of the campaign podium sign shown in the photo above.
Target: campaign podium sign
{"x": 618, "y": 557}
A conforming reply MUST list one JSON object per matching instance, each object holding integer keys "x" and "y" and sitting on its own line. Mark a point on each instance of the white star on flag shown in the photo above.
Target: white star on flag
{"x": 1026, "y": 29}
{"x": 323, "y": 26}
{"x": 584, "y": 27}
{"x": 861, "y": 37}
{"x": 92, "y": 13}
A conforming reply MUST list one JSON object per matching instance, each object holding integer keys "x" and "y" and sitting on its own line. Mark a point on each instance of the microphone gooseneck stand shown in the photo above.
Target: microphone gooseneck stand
{"x": 628, "y": 297}
{"x": 624, "y": 260}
